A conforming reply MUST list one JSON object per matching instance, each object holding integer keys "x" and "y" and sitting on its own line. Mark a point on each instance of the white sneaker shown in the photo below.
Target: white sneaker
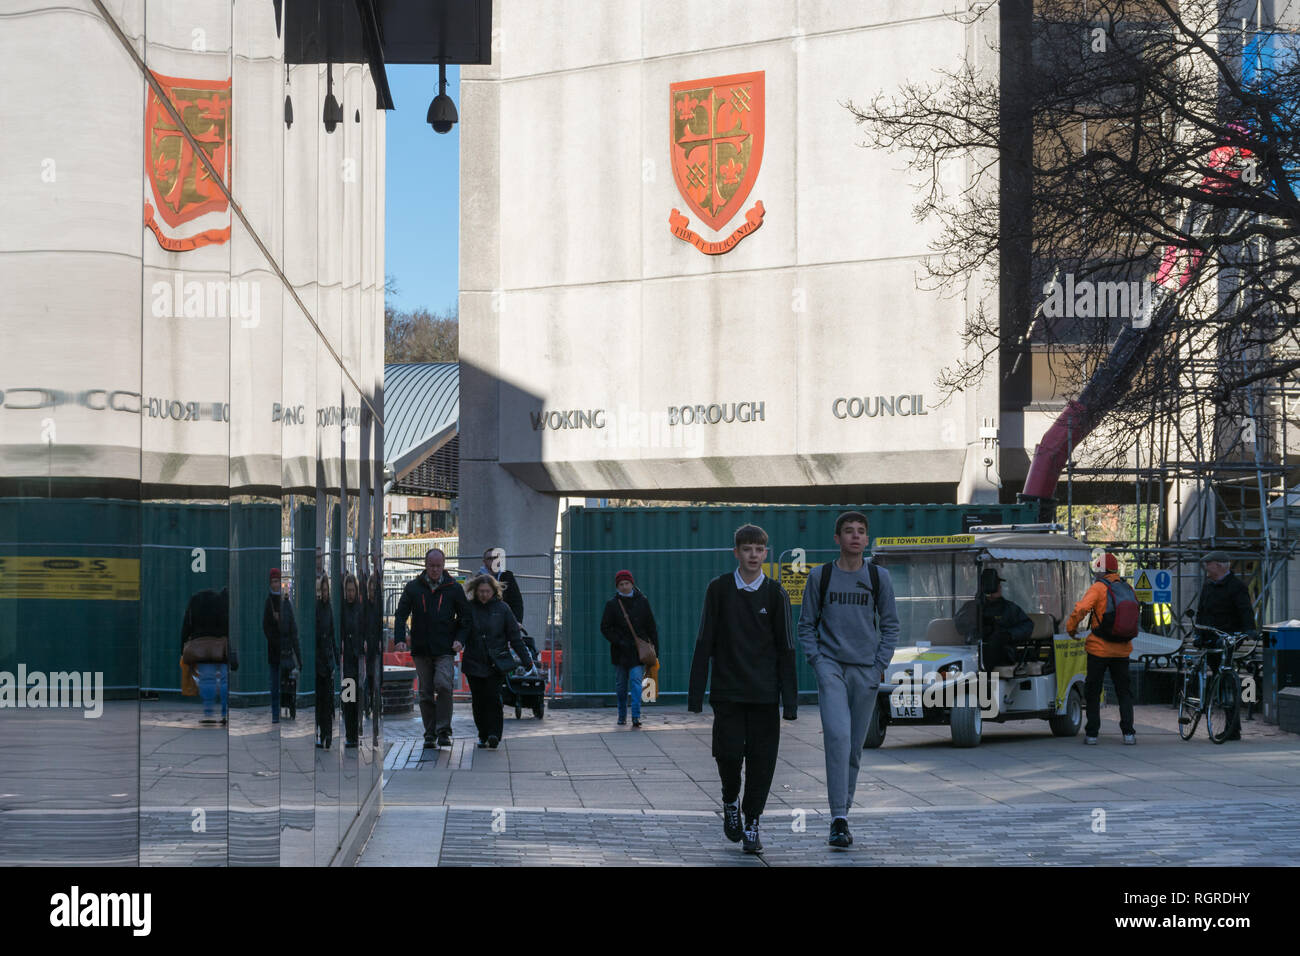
{"x": 1130, "y": 739}
{"x": 1090, "y": 741}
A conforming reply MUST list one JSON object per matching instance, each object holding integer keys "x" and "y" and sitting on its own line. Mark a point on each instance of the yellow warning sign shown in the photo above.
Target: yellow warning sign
{"x": 57, "y": 578}
{"x": 792, "y": 577}
{"x": 1142, "y": 588}
{"x": 930, "y": 541}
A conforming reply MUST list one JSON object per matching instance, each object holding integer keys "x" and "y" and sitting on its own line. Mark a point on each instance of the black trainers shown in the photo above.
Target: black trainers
{"x": 635, "y": 722}
{"x": 482, "y": 745}
{"x": 752, "y": 843}
{"x": 840, "y": 835}
{"x": 493, "y": 741}
{"x": 430, "y": 743}
{"x": 731, "y": 822}
{"x": 444, "y": 740}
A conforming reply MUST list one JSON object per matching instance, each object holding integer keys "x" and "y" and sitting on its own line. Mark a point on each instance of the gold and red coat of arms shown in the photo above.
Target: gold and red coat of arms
{"x": 183, "y": 206}
{"x": 717, "y": 148}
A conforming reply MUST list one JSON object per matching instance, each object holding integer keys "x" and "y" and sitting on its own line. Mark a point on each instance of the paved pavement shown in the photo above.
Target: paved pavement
{"x": 575, "y": 789}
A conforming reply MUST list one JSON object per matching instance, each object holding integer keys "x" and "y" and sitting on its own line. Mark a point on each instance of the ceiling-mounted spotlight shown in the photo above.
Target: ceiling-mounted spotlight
{"x": 442, "y": 111}
{"x": 333, "y": 112}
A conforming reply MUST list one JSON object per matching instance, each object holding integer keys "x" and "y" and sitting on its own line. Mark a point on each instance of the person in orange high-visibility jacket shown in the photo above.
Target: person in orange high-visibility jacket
{"x": 1103, "y": 655}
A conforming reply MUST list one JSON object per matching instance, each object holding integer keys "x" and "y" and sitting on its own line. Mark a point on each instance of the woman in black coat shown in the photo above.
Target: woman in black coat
{"x": 327, "y": 656}
{"x": 353, "y": 639}
{"x": 374, "y": 645}
{"x": 493, "y": 633}
{"x": 629, "y": 604}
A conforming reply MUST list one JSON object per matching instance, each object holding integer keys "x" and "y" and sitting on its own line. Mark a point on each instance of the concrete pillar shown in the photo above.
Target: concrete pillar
{"x": 498, "y": 510}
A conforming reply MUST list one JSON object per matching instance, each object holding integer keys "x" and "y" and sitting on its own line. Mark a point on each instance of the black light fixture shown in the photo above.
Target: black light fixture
{"x": 333, "y": 112}
{"x": 442, "y": 111}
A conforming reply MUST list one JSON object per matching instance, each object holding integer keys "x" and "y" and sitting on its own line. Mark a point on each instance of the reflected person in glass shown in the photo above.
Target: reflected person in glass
{"x": 327, "y": 656}
{"x": 353, "y": 638}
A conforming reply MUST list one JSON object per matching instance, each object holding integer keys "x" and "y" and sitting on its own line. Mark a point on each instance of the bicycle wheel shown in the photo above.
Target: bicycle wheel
{"x": 1189, "y": 710}
{"x": 1223, "y": 705}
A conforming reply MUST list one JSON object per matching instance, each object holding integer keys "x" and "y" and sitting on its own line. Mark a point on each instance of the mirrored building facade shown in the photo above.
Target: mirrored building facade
{"x": 190, "y": 438}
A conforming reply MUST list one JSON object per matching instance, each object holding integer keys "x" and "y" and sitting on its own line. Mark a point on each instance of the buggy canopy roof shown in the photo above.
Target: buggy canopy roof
{"x": 1001, "y": 546}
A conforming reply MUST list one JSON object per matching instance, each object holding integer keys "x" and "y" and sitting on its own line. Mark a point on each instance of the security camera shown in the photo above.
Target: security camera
{"x": 442, "y": 114}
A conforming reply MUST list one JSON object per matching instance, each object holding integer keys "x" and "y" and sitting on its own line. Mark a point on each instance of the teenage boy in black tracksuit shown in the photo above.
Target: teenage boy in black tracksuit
{"x": 440, "y": 623}
{"x": 745, "y": 632}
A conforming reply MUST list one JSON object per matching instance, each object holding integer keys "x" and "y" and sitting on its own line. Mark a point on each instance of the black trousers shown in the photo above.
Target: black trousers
{"x": 748, "y": 735}
{"x": 352, "y": 708}
{"x": 1097, "y": 667}
{"x": 325, "y": 706}
{"x": 485, "y": 701}
{"x": 998, "y": 650}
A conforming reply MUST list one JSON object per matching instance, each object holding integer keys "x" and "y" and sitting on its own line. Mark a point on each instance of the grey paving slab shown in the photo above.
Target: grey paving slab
{"x": 577, "y": 761}
{"x": 1167, "y": 834}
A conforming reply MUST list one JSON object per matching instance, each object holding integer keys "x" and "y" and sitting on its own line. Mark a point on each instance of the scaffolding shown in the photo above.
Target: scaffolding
{"x": 1212, "y": 480}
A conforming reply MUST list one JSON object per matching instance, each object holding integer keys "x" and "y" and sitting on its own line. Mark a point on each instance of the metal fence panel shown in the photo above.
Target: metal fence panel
{"x": 673, "y": 553}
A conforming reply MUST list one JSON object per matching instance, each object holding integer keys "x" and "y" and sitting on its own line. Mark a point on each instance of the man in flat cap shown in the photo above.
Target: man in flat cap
{"x": 1224, "y": 604}
{"x": 1001, "y": 622}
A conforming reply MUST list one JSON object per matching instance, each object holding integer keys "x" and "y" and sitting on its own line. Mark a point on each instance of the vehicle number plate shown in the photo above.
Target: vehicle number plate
{"x": 904, "y": 705}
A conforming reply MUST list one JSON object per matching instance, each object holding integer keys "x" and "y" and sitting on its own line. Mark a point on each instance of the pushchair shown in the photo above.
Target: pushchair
{"x": 520, "y": 690}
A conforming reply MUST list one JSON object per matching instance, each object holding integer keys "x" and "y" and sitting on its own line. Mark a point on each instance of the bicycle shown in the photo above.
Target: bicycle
{"x": 1214, "y": 694}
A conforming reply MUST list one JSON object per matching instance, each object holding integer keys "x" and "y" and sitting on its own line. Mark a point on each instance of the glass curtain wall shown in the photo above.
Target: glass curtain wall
{"x": 189, "y": 411}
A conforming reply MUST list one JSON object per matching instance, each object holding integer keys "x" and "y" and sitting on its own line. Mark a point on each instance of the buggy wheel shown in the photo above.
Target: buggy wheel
{"x": 539, "y": 709}
{"x": 967, "y": 726}
{"x": 875, "y": 729}
{"x": 1068, "y": 723}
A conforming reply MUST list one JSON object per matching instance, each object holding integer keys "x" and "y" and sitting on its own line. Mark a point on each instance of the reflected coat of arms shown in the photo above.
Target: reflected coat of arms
{"x": 717, "y": 147}
{"x": 183, "y": 205}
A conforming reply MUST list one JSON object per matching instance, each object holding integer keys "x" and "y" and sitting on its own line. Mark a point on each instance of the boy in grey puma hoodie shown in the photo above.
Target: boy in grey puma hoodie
{"x": 849, "y": 644}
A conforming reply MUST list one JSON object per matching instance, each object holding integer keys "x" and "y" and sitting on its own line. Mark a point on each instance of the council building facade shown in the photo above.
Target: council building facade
{"x": 682, "y": 276}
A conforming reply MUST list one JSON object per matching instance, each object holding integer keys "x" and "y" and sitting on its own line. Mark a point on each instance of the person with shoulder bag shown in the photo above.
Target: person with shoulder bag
{"x": 629, "y": 625}
{"x": 487, "y": 659}
{"x": 1114, "y": 615}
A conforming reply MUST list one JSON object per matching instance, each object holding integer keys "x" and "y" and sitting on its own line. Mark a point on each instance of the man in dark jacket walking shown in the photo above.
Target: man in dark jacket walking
{"x": 440, "y": 622}
{"x": 1225, "y": 604}
{"x": 627, "y": 614}
{"x": 282, "y": 648}
{"x": 746, "y": 634}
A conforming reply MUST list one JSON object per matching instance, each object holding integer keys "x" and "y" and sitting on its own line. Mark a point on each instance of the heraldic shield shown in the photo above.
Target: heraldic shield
{"x": 183, "y": 205}
{"x": 717, "y": 143}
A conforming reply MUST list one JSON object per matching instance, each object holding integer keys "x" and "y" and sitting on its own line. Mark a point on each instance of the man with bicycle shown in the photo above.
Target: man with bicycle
{"x": 1225, "y": 605}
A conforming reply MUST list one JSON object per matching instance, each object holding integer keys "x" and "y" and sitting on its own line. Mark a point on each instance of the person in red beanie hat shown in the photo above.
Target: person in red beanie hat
{"x": 628, "y": 613}
{"x": 1113, "y": 608}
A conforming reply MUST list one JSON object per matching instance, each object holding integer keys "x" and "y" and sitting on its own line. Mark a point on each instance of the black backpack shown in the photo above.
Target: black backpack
{"x": 824, "y": 586}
